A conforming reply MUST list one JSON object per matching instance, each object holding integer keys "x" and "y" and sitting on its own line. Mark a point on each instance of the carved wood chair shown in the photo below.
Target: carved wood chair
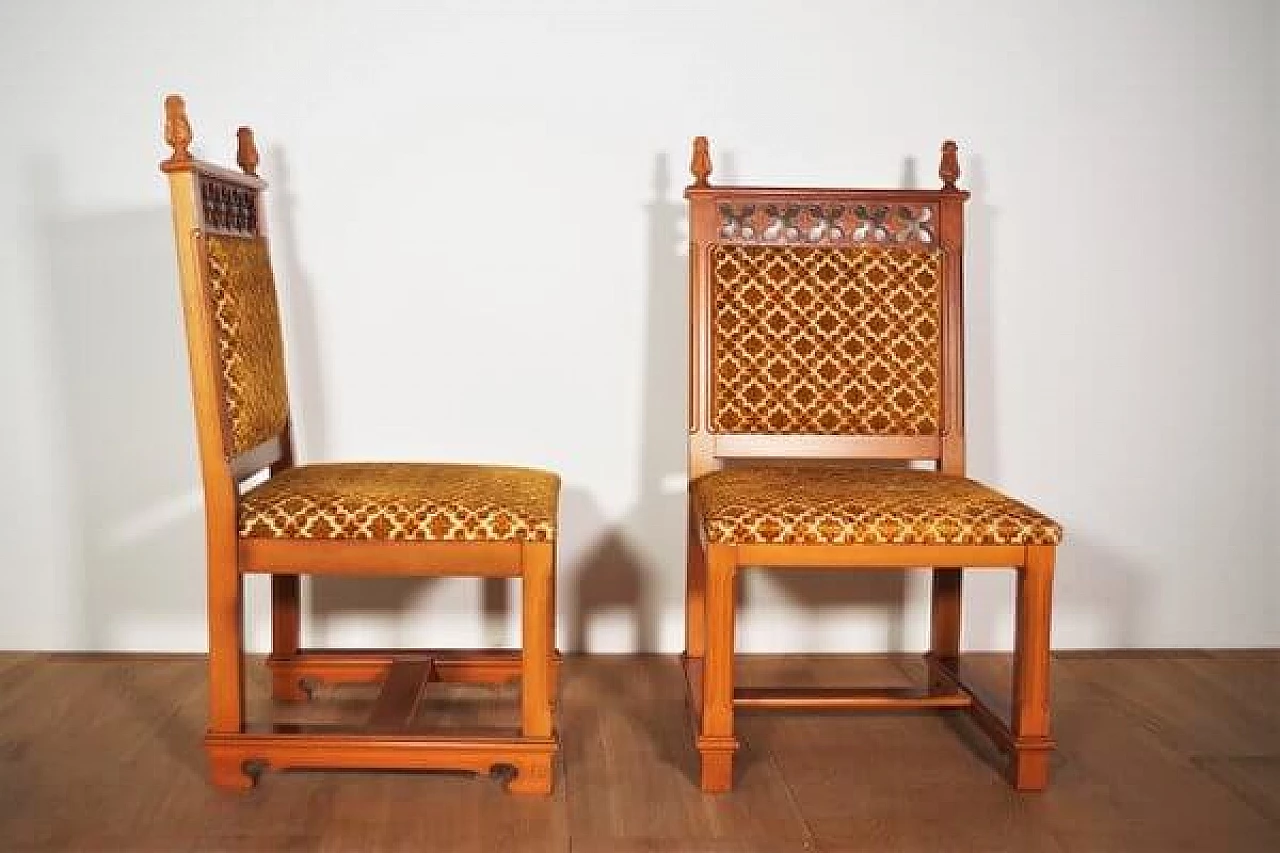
{"x": 341, "y": 519}
{"x": 826, "y": 333}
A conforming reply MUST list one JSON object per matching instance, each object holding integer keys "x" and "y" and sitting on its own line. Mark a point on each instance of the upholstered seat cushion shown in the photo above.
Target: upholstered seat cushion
{"x": 862, "y": 506}
{"x": 403, "y": 501}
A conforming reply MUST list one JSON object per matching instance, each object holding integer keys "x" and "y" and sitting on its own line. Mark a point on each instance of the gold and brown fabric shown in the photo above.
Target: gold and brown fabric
{"x": 403, "y": 502}
{"x": 862, "y": 506}
{"x": 246, "y": 320}
{"x": 825, "y": 340}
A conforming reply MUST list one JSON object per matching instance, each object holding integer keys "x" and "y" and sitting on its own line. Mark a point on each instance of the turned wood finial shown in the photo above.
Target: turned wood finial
{"x": 177, "y": 130}
{"x": 247, "y": 152}
{"x": 949, "y": 168}
{"x": 700, "y": 164}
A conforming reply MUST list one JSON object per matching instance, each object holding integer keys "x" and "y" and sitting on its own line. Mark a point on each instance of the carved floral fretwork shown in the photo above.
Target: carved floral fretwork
{"x": 228, "y": 208}
{"x": 829, "y": 224}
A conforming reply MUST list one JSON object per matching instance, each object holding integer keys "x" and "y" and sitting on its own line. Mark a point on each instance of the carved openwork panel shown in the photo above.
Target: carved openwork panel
{"x": 228, "y": 208}
{"x": 840, "y": 223}
{"x": 830, "y": 340}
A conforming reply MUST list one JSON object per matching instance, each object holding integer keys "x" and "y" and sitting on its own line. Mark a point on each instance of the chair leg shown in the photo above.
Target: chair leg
{"x": 553, "y": 679}
{"x": 946, "y": 614}
{"x": 1029, "y": 769}
{"x": 286, "y": 627}
{"x": 716, "y": 742}
{"x": 533, "y": 776}
{"x": 695, "y": 614}
{"x": 226, "y": 664}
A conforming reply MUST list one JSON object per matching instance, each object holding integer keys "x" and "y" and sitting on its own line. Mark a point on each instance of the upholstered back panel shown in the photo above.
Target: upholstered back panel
{"x": 250, "y": 351}
{"x": 830, "y": 340}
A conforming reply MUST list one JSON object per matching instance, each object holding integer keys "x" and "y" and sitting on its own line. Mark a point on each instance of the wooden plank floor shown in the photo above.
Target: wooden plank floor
{"x": 1157, "y": 753}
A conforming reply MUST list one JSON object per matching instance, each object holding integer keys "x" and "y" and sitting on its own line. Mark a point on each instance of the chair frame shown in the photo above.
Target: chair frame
{"x": 1020, "y": 728}
{"x": 388, "y": 743}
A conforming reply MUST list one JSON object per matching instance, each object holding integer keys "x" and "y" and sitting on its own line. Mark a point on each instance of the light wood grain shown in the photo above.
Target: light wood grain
{"x": 228, "y": 741}
{"x": 709, "y": 639}
{"x": 1158, "y": 753}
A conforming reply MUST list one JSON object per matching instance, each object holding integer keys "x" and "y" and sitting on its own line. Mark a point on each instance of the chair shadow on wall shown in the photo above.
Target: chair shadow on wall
{"x": 108, "y": 312}
{"x": 625, "y": 569}
{"x": 634, "y": 568}
{"x": 386, "y": 605}
{"x": 608, "y": 578}
{"x": 600, "y": 579}
{"x": 117, "y": 353}
{"x": 1104, "y": 585}
{"x": 331, "y": 600}
{"x": 620, "y": 571}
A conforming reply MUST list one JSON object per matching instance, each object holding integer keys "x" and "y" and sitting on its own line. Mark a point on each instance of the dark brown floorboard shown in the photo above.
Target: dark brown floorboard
{"x": 1157, "y": 752}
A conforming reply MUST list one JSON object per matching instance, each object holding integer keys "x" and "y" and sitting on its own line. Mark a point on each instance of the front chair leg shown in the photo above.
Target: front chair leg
{"x": 536, "y": 594}
{"x": 716, "y": 742}
{"x": 1029, "y": 769}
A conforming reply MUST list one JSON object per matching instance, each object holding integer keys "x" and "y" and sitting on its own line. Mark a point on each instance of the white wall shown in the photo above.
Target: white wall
{"x": 479, "y": 233}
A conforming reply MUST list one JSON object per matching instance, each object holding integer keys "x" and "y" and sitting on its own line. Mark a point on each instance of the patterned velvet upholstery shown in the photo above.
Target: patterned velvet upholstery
{"x": 246, "y": 319}
{"x": 402, "y": 501}
{"x": 825, "y": 340}
{"x": 862, "y": 506}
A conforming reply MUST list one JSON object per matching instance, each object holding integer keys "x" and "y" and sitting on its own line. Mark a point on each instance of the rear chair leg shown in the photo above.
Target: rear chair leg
{"x": 946, "y": 611}
{"x": 286, "y": 628}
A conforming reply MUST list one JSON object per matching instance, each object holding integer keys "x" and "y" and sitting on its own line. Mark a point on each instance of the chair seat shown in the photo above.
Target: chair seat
{"x": 862, "y": 506}
{"x": 396, "y": 501}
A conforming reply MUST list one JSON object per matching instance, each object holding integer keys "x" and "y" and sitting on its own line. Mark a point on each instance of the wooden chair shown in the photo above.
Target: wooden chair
{"x": 340, "y": 519}
{"x": 825, "y": 332}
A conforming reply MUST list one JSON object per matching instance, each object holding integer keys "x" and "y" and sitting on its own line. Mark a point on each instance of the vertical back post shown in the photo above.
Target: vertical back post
{"x": 225, "y": 599}
{"x": 702, "y": 233}
{"x": 951, "y": 236}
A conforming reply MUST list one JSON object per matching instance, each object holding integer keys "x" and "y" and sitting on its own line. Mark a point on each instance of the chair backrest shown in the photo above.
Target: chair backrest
{"x": 825, "y": 323}
{"x": 232, "y": 314}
